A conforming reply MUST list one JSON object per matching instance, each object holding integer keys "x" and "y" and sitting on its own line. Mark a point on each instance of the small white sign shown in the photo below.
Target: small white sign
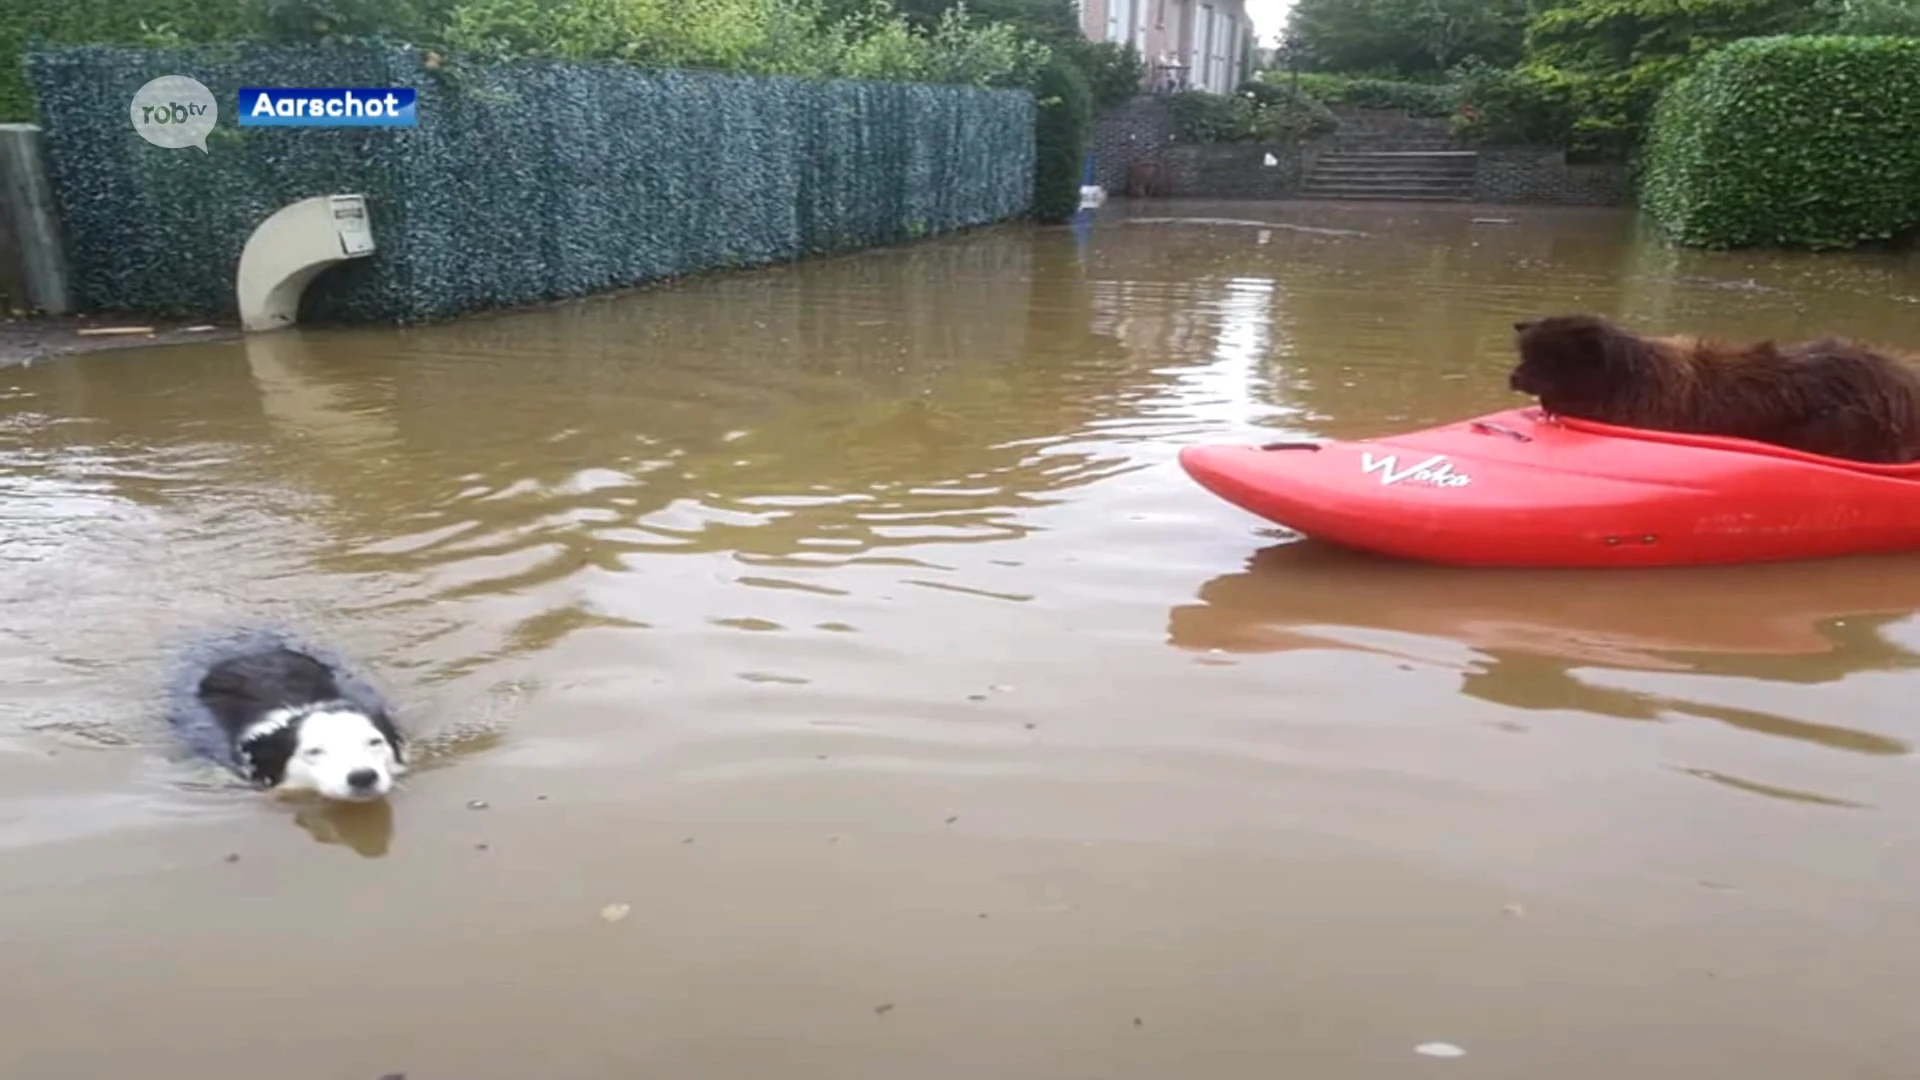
{"x": 350, "y": 222}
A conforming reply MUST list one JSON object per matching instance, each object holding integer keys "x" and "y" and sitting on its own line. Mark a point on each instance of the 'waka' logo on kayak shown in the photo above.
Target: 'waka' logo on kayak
{"x": 1436, "y": 471}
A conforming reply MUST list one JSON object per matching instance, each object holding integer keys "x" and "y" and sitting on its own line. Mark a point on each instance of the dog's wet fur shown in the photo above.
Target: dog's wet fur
{"x": 1830, "y": 396}
{"x": 292, "y": 721}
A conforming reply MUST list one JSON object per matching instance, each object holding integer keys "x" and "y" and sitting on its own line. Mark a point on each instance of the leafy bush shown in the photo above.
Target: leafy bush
{"x": 1797, "y": 142}
{"x": 1615, "y": 57}
{"x": 106, "y": 21}
{"x": 1062, "y": 124}
{"x": 1412, "y": 98}
{"x": 1524, "y": 105}
{"x": 761, "y": 37}
{"x": 1258, "y": 112}
{"x": 1114, "y": 71}
{"x": 1892, "y": 18}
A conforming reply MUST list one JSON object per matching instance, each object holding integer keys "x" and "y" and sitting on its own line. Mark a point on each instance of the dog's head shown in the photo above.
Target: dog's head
{"x": 1571, "y": 358}
{"x": 334, "y": 750}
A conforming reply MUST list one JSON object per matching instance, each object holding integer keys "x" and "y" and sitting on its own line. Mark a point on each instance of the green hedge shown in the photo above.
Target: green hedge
{"x": 1065, "y": 126}
{"x": 1790, "y": 141}
{"x": 1256, "y": 112}
{"x": 524, "y": 181}
{"x": 1414, "y": 99}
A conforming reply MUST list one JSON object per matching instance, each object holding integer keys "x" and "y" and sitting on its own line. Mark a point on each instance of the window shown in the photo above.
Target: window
{"x": 1125, "y": 20}
{"x": 1223, "y": 55}
{"x": 1202, "y": 52}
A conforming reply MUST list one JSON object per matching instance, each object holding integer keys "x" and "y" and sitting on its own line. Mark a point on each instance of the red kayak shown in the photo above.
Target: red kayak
{"x": 1515, "y": 488}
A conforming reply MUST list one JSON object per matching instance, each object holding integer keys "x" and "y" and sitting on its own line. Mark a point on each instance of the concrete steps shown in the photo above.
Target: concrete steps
{"x": 1389, "y": 144}
{"x": 1402, "y": 175}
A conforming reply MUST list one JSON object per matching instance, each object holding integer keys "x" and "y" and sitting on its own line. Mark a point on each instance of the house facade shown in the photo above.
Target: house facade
{"x": 1187, "y": 44}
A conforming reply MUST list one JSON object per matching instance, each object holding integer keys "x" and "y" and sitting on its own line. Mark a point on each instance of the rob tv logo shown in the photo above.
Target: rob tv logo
{"x": 174, "y": 111}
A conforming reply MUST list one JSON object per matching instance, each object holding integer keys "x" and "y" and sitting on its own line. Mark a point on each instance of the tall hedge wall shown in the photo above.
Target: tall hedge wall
{"x": 1790, "y": 141}
{"x": 1060, "y": 139}
{"x": 523, "y": 181}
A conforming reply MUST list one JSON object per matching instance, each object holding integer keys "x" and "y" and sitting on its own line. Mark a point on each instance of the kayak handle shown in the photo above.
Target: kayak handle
{"x": 1290, "y": 446}
{"x": 1482, "y": 425}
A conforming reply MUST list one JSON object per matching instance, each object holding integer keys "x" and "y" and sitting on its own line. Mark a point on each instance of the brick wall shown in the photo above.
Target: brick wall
{"x": 1540, "y": 175}
{"x": 1132, "y": 132}
{"x": 1233, "y": 170}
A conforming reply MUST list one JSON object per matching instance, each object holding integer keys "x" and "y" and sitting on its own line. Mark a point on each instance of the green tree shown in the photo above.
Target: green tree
{"x": 1612, "y": 58}
{"x": 304, "y": 20}
{"x": 1050, "y": 22}
{"x": 1891, "y": 18}
{"x": 1406, "y": 37}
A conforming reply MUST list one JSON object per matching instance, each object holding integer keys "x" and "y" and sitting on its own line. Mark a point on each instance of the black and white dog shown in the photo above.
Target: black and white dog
{"x": 290, "y": 721}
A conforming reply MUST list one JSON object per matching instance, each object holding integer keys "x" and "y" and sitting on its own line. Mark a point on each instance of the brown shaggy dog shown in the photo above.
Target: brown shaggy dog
{"x": 1828, "y": 397}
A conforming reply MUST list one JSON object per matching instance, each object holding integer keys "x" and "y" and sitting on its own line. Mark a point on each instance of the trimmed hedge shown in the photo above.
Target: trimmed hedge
{"x": 524, "y": 181}
{"x": 1060, "y": 141}
{"x": 1807, "y": 142}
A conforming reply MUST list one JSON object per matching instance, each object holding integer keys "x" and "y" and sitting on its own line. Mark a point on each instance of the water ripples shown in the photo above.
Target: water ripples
{"x": 788, "y": 482}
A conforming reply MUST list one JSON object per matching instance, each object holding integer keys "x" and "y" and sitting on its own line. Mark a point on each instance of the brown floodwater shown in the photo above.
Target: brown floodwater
{"x": 827, "y": 672}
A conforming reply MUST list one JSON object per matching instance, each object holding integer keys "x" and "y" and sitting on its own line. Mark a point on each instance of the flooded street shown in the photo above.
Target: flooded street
{"x": 853, "y": 626}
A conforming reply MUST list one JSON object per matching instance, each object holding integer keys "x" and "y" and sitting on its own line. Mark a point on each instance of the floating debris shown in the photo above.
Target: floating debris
{"x": 1518, "y": 911}
{"x": 883, "y": 1008}
{"x": 93, "y": 331}
{"x": 615, "y": 912}
{"x": 1439, "y": 1049}
{"x": 476, "y": 804}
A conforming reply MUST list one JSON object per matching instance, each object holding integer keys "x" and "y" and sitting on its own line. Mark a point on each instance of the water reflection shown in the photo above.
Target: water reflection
{"x": 1537, "y": 635}
{"x": 366, "y": 829}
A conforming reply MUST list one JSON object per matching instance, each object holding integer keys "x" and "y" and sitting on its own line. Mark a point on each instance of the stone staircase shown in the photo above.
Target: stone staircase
{"x": 1434, "y": 171}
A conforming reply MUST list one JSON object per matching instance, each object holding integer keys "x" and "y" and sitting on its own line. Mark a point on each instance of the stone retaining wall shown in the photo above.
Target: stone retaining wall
{"x": 1234, "y": 170}
{"x": 1142, "y": 130}
{"x": 1541, "y": 175}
